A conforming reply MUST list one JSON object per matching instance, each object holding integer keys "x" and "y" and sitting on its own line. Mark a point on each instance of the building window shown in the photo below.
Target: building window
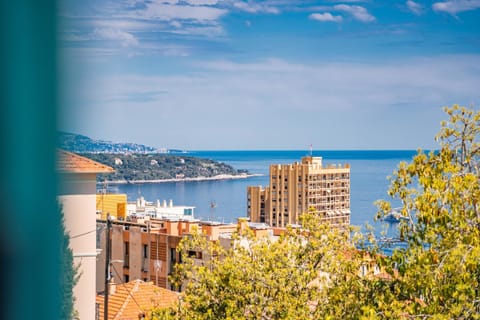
{"x": 145, "y": 250}
{"x": 195, "y": 254}
{"x": 126, "y": 251}
{"x": 126, "y": 278}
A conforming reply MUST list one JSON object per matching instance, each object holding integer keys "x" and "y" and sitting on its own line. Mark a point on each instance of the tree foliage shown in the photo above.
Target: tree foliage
{"x": 439, "y": 270}
{"x": 319, "y": 273}
{"x": 69, "y": 274}
{"x": 155, "y": 166}
{"x": 267, "y": 277}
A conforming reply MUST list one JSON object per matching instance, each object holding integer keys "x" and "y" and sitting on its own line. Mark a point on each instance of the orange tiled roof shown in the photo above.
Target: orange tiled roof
{"x": 134, "y": 297}
{"x": 73, "y": 163}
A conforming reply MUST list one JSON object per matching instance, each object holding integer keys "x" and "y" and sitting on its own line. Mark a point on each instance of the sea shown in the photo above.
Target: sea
{"x": 226, "y": 200}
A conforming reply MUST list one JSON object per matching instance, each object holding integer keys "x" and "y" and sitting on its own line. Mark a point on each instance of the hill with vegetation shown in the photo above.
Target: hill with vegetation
{"x": 137, "y": 167}
{"x": 79, "y": 144}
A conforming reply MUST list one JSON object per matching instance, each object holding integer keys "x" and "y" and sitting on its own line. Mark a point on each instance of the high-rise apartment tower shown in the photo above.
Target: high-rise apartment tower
{"x": 296, "y": 188}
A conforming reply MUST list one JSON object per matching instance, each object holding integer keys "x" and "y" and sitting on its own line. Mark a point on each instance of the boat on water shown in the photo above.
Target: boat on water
{"x": 394, "y": 216}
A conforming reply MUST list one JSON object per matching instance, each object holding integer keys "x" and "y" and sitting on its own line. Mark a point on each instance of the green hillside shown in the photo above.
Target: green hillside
{"x": 137, "y": 166}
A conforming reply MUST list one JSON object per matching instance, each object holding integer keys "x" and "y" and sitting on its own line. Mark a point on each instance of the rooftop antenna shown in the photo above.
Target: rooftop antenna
{"x": 311, "y": 150}
{"x": 213, "y": 205}
{"x": 104, "y": 192}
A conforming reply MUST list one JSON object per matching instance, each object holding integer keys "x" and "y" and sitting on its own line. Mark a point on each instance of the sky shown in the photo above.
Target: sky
{"x": 272, "y": 74}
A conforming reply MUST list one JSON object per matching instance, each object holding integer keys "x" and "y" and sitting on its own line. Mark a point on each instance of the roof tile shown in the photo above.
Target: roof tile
{"x": 73, "y": 163}
{"x": 132, "y": 298}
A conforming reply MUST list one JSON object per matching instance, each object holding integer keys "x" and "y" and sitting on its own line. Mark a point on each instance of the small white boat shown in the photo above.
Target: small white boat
{"x": 394, "y": 217}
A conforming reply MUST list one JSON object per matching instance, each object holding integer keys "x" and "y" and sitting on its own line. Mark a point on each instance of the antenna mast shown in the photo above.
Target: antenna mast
{"x": 213, "y": 205}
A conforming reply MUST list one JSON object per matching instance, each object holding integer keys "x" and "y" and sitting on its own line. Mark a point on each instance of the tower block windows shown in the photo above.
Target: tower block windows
{"x": 298, "y": 187}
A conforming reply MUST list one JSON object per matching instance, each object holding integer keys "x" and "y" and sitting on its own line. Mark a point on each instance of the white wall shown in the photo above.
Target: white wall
{"x": 80, "y": 222}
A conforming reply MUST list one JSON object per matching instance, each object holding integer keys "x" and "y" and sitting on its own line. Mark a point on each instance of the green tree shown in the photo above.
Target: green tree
{"x": 69, "y": 274}
{"x": 262, "y": 278}
{"x": 439, "y": 270}
{"x": 321, "y": 273}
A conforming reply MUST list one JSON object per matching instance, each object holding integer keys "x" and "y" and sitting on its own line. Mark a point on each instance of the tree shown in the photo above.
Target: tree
{"x": 316, "y": 272}
{"x": 439, "y": 270}
{"x": 69, "y": 274}
{"x": 262, "y": 278}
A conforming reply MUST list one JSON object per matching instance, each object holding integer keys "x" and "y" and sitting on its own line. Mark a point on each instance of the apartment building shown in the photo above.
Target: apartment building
{"x": 77, "y": 196}
{"x": 299, "y": 187}
{"x": 112, "y": 204}
{"x": 146, "y": 249}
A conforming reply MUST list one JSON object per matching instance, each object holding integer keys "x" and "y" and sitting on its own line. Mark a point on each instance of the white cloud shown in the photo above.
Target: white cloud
{"x": 202, "y": 2}
{"x": 252, "y": 7}
{"x": 207, "y": 31}
{"x": 455, "y": 6}
{"x": 167, "y": 12}
{"x": 176, "y": 24}
{"x": 415, "y": 7}
{"x": 349, "y": 1}
{"x": 358, "y": 12}
{"x": 126, "y": 39}
{"x": 129, "y": 25}
{"x": 327, "y": 16}
{"x": 237, "y": 97}
{"x": 74, "y": 36}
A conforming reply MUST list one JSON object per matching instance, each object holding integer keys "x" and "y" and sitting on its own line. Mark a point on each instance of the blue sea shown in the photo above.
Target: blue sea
{"x": 369, "y": 172}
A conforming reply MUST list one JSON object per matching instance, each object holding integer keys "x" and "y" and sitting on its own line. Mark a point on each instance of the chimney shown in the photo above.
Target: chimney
{"x": 170, "y": 203}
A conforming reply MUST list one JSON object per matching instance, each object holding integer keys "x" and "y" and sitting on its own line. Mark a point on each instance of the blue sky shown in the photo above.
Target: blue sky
{"x": 274, "y": 74}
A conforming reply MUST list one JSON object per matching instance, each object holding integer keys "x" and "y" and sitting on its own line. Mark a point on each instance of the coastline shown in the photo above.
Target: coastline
{"x": 217, "y": 177}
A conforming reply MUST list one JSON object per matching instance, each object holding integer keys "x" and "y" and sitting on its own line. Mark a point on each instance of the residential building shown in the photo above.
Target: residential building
{"x": 134, "y": 300}
{"x": 77, "y": 196}
{"x": 299, "y": 187}
{"x": 146, "y": 249}
{"x": 161, "y": 210}
{"x": 112, "y": 204}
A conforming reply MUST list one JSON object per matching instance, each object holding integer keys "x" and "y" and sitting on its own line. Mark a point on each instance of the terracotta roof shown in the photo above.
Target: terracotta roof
{"x": 73, "y": 163}
{"x": 132, "y": 298}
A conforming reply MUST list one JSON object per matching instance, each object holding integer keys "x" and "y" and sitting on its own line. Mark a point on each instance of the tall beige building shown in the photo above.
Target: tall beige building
{"x": 77, "y": 195}
{"x": 295, "y": 188}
